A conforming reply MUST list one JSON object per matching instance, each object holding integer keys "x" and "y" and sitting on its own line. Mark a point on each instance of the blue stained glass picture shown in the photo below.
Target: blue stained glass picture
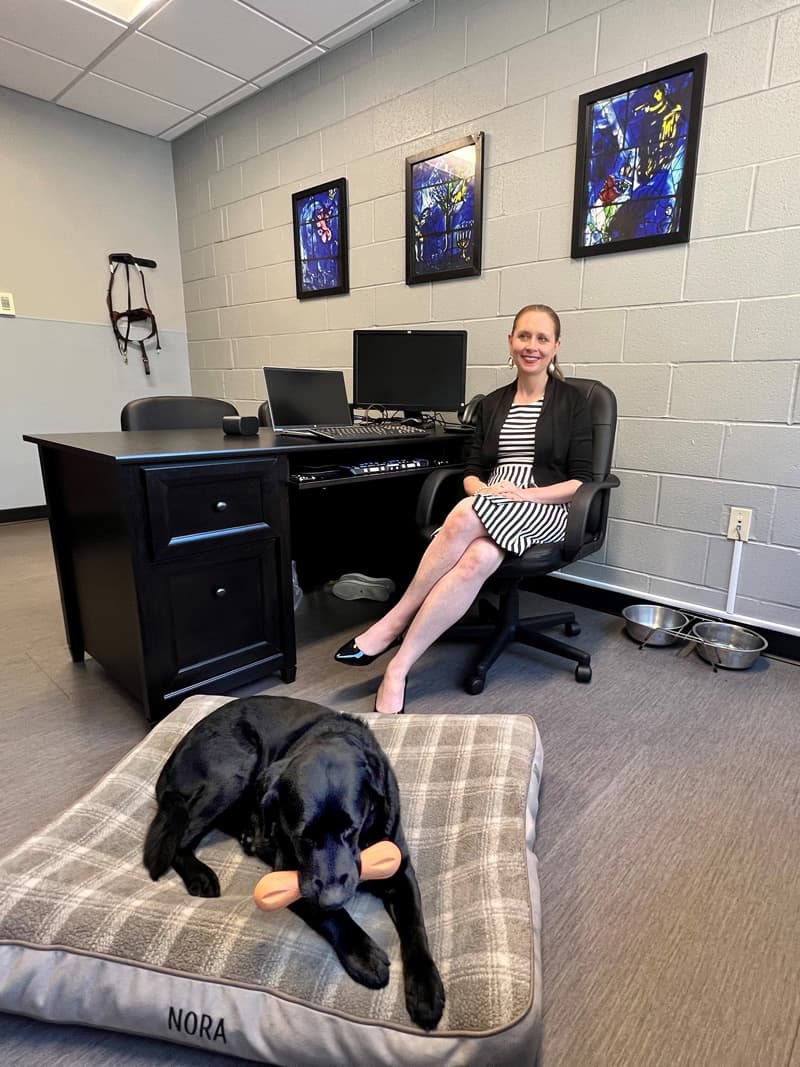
{"x": 637, "y": 154}
{"x": 319, "y": 217}
{"x": 444, "y": 212}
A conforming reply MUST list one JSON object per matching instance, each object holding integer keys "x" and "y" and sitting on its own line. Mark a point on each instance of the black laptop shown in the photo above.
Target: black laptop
{"x": 313, "y": 403}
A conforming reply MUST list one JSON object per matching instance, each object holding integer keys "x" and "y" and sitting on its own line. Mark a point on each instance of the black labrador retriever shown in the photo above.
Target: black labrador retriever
{"x": 303, "y": 788}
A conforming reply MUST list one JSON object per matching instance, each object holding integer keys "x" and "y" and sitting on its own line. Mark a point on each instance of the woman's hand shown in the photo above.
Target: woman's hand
{"x": 561, "y": 493}
{"x": 508, "y": 490}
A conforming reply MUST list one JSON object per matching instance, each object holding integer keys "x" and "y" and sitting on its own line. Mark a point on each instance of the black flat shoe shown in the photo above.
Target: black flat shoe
{"x": 402, "y": 706}
{"x": 352, "y": 656}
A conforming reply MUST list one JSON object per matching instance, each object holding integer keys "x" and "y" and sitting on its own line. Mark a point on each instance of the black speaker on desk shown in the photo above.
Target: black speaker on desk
{"x": 241, "y": 425}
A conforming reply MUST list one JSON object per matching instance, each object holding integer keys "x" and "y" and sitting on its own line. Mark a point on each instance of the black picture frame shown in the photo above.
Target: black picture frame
{"x": 319, "y": 223}
{"x": 444, "y": 211}
{"x": 637, "y": 159}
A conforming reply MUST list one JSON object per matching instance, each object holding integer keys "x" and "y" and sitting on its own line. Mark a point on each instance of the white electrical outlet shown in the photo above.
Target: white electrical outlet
{"x": 739, "y": 524}
{"x": 7, "y": 304}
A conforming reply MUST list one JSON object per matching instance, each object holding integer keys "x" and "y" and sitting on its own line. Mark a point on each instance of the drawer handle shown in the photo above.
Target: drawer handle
{"x": 221, "y": 505}
{"x": 221, "y": 592}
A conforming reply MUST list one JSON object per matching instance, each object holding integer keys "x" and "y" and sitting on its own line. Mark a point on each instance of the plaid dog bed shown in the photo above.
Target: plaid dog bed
{"x": 86, "y": 937}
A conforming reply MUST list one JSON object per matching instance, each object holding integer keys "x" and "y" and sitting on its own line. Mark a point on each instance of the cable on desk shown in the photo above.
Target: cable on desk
{"x": 431, "y": 419}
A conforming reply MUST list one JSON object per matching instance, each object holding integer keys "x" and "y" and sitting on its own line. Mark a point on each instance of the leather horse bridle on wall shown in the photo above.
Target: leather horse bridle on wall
{"x": 130, "y": 314}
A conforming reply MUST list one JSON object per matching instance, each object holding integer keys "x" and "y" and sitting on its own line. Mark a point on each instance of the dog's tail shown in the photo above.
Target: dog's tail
{"x": 165, "y": 833}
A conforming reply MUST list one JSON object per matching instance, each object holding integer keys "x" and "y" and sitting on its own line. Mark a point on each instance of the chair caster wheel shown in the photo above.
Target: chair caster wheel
{"x": 571, "y": 629}
{"x": 474, "y": 684}
{"x": 583, "y": 673}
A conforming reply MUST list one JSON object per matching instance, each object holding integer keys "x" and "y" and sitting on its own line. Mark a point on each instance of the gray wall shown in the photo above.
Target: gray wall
{"x": 74, "y": 189}
{"x": 699, "y": 341}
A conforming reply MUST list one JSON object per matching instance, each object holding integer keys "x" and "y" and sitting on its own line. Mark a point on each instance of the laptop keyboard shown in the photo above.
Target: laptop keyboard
{"x": 367, "y": 431}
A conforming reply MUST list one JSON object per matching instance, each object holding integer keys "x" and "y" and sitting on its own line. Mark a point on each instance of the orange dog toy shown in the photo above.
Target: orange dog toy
{"x": 279, "y": 889}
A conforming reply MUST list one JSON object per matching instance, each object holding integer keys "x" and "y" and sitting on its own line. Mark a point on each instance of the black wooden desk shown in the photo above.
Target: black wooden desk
{"x": 173, "y": 548}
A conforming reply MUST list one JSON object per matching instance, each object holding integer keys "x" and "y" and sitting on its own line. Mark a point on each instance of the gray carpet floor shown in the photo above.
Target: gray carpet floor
{"x": 668, "y": 829}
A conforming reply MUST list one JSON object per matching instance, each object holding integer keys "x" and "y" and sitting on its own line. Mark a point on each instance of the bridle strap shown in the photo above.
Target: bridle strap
{"x": 131, "y": 314}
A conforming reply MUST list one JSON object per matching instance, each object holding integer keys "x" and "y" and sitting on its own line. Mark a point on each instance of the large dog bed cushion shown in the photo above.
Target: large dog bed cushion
{"x": 86, "y": 937}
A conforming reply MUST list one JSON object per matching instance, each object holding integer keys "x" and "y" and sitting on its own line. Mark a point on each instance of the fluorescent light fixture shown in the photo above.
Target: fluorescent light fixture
{"x": 125, "y": 10}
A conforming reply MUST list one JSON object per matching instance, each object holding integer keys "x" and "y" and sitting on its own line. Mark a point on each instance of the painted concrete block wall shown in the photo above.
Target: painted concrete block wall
{"x": 74, "y": 189}
{"x": 701, "y": 342}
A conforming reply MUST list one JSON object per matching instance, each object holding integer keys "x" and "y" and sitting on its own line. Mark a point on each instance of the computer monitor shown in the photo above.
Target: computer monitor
{"x": 302, "y": 397}
{"x": 409, "y": 370}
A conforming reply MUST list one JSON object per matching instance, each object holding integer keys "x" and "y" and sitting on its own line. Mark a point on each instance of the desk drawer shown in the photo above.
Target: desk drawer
{"x": 217, "y": 614}
{"x": 193, "y": 506}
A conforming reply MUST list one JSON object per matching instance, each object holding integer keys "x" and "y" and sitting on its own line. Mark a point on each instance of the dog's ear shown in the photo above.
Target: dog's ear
{"x": 382, "y": 784}
{"x": 375, "y": 768}
{"x": 269, "y": 790}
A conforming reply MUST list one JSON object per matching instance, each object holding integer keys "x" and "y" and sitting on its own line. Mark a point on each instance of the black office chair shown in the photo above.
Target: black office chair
{"x": 175, "y": 413}
{"x": 586, "y": 530}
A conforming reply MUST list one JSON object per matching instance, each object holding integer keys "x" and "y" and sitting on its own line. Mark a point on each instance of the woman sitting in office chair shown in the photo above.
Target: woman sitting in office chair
{"x": 516, "y": 497}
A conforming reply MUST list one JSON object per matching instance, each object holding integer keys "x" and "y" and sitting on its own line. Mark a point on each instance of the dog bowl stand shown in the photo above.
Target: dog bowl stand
{"x": 687, "y": 650}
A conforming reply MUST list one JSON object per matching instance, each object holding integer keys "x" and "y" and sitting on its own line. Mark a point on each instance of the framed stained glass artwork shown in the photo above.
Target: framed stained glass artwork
{"x": 319, "y": 218}
{"x": 444, "y": 193}
{"x": 636, "y": 160}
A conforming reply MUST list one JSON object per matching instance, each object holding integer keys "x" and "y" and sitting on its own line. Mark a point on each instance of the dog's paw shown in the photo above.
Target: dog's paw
{"x": 247, "y": 841}
{"x": 200, "y": 880}
{"x": 367, "y": 964}
{"x": 203, "y": 884}
{"x": 425, "y": 996}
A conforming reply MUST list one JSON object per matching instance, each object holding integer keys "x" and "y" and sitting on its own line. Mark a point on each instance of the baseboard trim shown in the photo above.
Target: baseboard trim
{"x": 23, "y": 514}
{"x": 781, "y": 645}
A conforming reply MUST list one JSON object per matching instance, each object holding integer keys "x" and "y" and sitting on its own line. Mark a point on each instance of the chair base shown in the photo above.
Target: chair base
{"x": 502, "y": 625}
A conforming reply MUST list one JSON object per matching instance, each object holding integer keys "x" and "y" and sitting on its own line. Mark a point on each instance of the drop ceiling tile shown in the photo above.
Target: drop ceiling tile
{"x": 231, "y": 99}
{"x": 302, "y": 59}
{"x": 33, "y": 73}
{"x": 311, "y": 17}
{"x": 59, "y": 28}
{"x": 224, "y": 33}
{"x": 144, "y": 63}
{"x": 117, "y": 103}
{"x": 185, "y": 57}
{"x": 379, "y": 15}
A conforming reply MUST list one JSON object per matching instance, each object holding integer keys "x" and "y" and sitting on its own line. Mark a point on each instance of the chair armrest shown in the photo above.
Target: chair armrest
{"x": 430, "y": 488}
{"x": 579, "y": 510}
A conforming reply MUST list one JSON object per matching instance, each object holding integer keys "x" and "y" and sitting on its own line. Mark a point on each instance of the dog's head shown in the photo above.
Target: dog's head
{"x": 321, "y": 805}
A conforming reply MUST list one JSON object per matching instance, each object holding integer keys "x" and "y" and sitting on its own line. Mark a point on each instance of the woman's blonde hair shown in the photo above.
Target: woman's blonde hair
{"x": 556, "y": 371}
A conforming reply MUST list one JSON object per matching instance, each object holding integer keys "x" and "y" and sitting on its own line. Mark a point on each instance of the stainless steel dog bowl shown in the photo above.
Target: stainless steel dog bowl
{"x": 725, "y": 645}
{"x": 653, "y": 623}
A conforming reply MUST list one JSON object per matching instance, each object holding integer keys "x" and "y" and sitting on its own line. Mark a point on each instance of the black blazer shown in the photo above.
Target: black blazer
{"x": 563, "y": 434}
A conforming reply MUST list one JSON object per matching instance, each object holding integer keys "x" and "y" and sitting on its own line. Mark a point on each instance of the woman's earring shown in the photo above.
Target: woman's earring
{"x": 510, "y": 361}
{"x": 551, "y": 368}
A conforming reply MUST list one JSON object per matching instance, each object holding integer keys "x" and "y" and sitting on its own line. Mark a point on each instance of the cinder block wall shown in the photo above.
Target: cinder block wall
{"x": 700, "y": 341}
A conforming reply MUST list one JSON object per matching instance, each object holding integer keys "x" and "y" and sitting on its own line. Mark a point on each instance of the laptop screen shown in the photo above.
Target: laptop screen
{"x": 300, "y": 398}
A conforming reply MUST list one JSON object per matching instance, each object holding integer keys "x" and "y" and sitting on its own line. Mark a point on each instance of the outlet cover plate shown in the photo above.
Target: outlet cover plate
{"x": 743, "y": 516}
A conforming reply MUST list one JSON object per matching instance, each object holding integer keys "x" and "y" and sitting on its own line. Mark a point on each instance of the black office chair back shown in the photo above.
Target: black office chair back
{"x": 264, "y": 417}
{"x": 175, "y": 413}
{"x": 603, "y": 410}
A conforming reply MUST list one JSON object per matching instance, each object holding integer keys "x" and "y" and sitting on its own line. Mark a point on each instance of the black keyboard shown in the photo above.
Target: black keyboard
{"x": 367, "y": 431}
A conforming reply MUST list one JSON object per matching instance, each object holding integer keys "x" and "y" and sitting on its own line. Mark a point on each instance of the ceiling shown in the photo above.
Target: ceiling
{"x": 163, "y": 66}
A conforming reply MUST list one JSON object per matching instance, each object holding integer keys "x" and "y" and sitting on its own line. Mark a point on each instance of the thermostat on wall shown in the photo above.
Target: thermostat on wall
{"x": 7, "y": 304}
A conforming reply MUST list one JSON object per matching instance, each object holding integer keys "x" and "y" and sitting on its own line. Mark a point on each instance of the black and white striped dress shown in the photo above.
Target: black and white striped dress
{"x": 515, "y": 525}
